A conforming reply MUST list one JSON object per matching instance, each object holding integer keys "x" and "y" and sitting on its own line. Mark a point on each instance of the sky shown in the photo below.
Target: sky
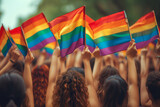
{"x": 13, "y": 9}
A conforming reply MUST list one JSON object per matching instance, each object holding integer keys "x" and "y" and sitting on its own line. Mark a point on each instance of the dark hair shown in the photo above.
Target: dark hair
{"x": 78, "y": 69}
{"x": 105, "y": 73}
{"x": 12, "y": 90}
{"x": 70, "y": 90}
{"x": 19, "y": 65}
{"x": 115, "y": 91}
{"x": 153, "y": 84}
{"x": 40, "y": 83}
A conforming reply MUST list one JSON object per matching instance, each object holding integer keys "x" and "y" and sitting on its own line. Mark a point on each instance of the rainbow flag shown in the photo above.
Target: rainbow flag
{"x": 5, "y": 43}
{"x": 50, "y": 48}
{"x": 145, "y": 30}
{"x": 111, "y": 33}
{"x": 37, "y": 32}
{"x": 89, "y": 34}
{"x": 19, "y": 40}
{"x": 69, "y": 30}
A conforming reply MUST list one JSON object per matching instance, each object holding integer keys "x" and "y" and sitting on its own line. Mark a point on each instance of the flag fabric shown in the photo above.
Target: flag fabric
{"x": 145, "y": 30}
{"x": 49, "y": 48}
{"x": 19, "y": 40}
{"x": 89, "y": 34}
{"x": 37, "y": 32}
{"x": 69, "y": 30}
{"x": 5, "y": 43}
{"x": 111, "y": 33}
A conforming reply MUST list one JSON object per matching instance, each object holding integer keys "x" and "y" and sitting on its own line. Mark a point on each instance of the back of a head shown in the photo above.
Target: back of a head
{"x": 40, "y": 83}
{"x": 12, "y": 90}
{"x": 78, "y": 69}
{"x": 106, "y": 72}
{"x": 70, "y": 90}
{"x": 115, "y": 91}
{"x": 153, "y": 84}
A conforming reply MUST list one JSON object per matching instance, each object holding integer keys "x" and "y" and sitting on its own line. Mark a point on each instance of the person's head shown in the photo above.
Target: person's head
{"x": 78, "y": 69}
{"x": 70, "y": 90}
{"x": 19, "y": 65}
{"x": 12, "y": 90}
{"x": 40, "y": 83}
{"x": 105, "y": 73}
{"x": 115, "y": 91}
{"x": 153, "y": 85}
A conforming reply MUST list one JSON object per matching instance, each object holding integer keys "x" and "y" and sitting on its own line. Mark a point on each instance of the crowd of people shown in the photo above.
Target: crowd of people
{"x": 81, "y": 79}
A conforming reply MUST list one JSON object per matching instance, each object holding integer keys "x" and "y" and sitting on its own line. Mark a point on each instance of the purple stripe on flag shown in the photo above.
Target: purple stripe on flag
{"x": 113, "y": 49}
{"x": 74, "y": 45}
{"x": 43, "y": 43}
{"x": 145, "y": 43}
{"x": 91, "y": 48}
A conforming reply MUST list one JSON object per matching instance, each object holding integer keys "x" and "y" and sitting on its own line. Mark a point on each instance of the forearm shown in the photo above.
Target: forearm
{"x": 122, "y": 70}
{"x": 4, "y": 61}
{"x": 88, "y": 72}
{"x": 132, "y": 73}
{"x": 145, "y": 101}
{"x": 27, "y": 76}
{"x": 53, "y": 69}
{"x": 62, "y": 67}
{"x": 78, "y": 61}
{"x": 40, "y": 60}
{"x": 97, "y": 68}
{"x": 133, "y": 90}
{"x": 70, "y": 60}
{"x": 6, "y": 68}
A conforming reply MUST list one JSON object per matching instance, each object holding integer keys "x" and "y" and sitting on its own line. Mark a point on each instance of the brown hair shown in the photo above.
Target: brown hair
{"x": 106, "y": 72}
{"x": 70, "y": 90}
{"x": 40, "y": 83}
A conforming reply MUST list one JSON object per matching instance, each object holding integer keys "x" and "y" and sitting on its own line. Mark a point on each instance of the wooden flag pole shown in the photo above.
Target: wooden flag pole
{"x": 128, "y": 25}
{"x": 85, "y": 25}
{"x": 8, "y": 35}
{"x": 156, "y": 22}
{"x": 25, "y": 41}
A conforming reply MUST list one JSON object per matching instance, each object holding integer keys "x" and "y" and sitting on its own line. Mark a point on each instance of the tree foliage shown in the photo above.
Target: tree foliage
{"x": 99, "y": 8}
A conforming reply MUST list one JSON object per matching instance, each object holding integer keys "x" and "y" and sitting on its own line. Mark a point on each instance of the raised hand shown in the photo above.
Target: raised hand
{"x": 86, "y": 55}
{"x": 29, "y": 58}
{"x": 144, "y": 51}
{"x": 158, "y": 46}
{"x": 14, "y": 55}
{"x": 57, "y": 52}
{"x": 131, "y": 50}
{"x": 96, "y": 52}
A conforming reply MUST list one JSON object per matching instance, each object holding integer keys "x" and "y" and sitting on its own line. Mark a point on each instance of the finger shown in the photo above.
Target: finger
{"x": 158, "y": 40}
{"x": 133, "y": 40}
{"x": 134, "y": 44}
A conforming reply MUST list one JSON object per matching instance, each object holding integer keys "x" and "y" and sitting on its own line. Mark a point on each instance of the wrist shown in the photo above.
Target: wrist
{"x": 12, "y": 61}
{"x": 130, "y": 57}
{"x": 86, "y": 60}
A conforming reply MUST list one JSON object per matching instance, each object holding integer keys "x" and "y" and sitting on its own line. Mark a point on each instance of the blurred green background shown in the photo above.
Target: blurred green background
{"x": 96, "y": 8}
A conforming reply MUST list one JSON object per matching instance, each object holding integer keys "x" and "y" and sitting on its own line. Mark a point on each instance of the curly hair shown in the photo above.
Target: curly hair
{"x": 70, "y": 90}
{"x": 40, "y": 83}
{"x": 106, "y": 72}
